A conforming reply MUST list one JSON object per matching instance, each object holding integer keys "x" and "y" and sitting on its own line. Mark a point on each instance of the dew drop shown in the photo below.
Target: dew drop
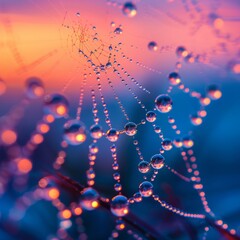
{"x": 89, "y": 199}
{"x": 93, "y": 148}
{"x": 157, "y": 129}
{"x": 151, "y": 116}
{"x": 163, "y": 103}
{"x": 167, "y": 144}
{"x": 129, "y": 9}
{"x": 204, "y": 101}
{"x": 96, "y": 131}
{"x": 137, "y": 197}
{"x": 56, "y": 105}
{"x": 157, "y": 161}
{"x": 120, "y": 225}
{"x": 146, "y": 189}
{"x": 214, "y": 92}
{"x": 118, "y": 31}
{"x": 196, "y": 120}
{"x": 130, "y": 129}
{"x": 116, "y": 176}
{"x": 119, "y": 206}
{"x": 34, "y": 88}
{"x": 177, "y": 143}
{"x": 187, "y": 142}
{"x": 152, "y": 46}
{"x": 117, "y": 187}
{"x": 181, "y": 51}
{"x": 174, "y": 78}
{"x": 112, "y": 135}
{"x": 74, "y": 132}
{"x": 143, "y": 167}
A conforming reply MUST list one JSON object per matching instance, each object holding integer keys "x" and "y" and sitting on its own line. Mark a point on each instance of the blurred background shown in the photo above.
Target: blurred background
{"x": 37, "y": 38}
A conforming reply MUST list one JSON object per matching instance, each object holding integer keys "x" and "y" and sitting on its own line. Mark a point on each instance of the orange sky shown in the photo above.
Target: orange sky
{"x": 35, "y": 43}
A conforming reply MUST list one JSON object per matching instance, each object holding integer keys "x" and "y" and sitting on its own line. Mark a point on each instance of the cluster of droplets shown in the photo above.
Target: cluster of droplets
{"x": 76, "y": 132}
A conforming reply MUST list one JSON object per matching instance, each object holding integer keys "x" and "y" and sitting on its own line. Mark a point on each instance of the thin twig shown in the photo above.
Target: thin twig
{"x": 131, "y": 219}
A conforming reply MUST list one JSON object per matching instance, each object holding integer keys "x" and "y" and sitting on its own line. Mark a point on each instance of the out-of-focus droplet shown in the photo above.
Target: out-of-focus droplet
{"x": 34, "y": 88}
{"x": 118, "y": 30}
{"x": 214, "y": 92}
{"x": 96, "y": 131}
{"x": 204, "y": 100}
{"x": 152, "y": 46}
{"x": 74, "y": 132}
{"x": 215, "y": 21}
{"x": 93, "y": 148}
{"x": 56, "y": 105}
{"x": 89, "y": 199}
{"x": 8, "y": 136}
{"x": 174, "y": 78}
{"x": 187, "y": 142}
{"x": 181, "y": 51}
{"x": 129, "y": 9}
{"x": 137, "y": 197}
{"x": 234, "y": 66}
{"x": 196, "y": 120}
{"x": 24, "y": 165}
{"x": 177, "y": 143}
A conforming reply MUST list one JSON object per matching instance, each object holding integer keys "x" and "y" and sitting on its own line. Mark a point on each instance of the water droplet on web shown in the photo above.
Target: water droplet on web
{"x": 56, "y": 105}
{"x": 34, "y": 88}
{"x": 152, "y": 46}
{"x": 163, "y": 103}
{"x": 130, "y": 129}
{"x": 118, "y": 31}
{"x": 89, "y": 199}
{"x": 151, "y": 116}
{"x": 146, "y": 189}
{"x": 119, "y": 206}
{"x": 137, "y": 197}
{"x": 214, "y": 92}
{"x": 157, "y": 129}
{"x": 143, "y": 167}
{"x": 174, "y": 78}
{"x": 93, "y": 148}
{"x": 112, "y": 135}
{"x": 187, "y": 142}
{"x": 181, "y": 51}
{"x": 96, "y": 131}
{"x": 157, "y": 161}
{"x": 167, "y": 144}
{"x": 74, "y": 132}
{"x": 129, "y": 9}
{"x": 117, "y": 187}
{"x": 195, "y": 120}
